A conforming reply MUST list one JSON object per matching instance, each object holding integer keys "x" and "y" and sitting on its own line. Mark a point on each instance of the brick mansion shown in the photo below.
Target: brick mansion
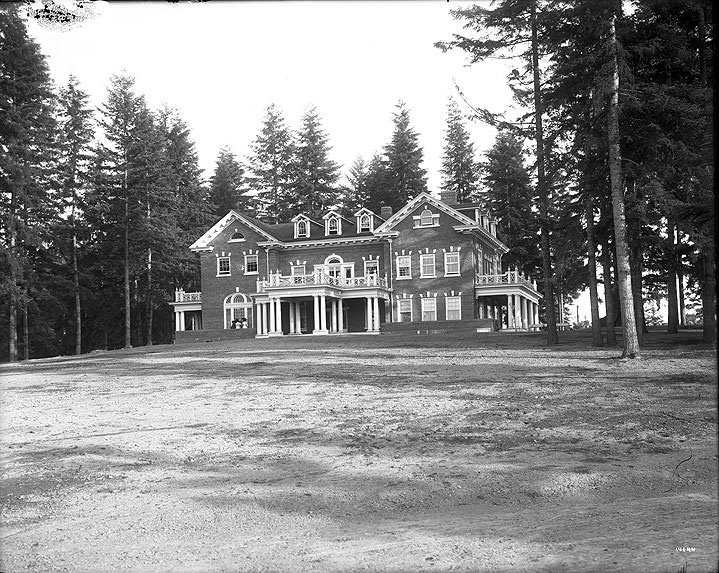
{"x": 433, "y": 264}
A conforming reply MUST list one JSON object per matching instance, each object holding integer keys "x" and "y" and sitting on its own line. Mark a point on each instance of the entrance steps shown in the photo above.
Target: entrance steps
{"x": 439, "y": 326}
{"x": 188, "y": 336}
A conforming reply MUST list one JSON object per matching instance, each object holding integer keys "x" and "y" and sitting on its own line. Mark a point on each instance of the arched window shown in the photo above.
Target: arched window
{"x": 238, "y": 306}
{"x": 333, "y": 226}
{"x": 365, "y": 224}
{"x": 237, "y": 236}
{"x": 425, "y": 219}
{"x": 302, "y": 229}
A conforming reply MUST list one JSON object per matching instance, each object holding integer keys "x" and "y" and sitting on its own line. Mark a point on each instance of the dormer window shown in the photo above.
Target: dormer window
{"x": 426, "y": 219}
{"x": 236, "y": 237}
{"x": 302, "y": 229}
{"x": 333, "y": 226}
{"x": 365, "y": 224}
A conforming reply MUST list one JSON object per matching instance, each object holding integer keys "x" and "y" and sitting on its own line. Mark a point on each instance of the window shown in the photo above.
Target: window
{"x": 251, "y": 264}
{"x": 451, "y": 264}
{"x": 404, "y": 308}
{"x": 302, "y": 229}
{"x": 236, "y": 237}
{"x": 425, "y": 219}
{"x": 371, "y": 268}
{"x": 333, "y": 226}
{"x": 238, "y": 311}
{"x": 298, "y": 270}
{"x": 426, "y": 263}
{"x": 404, "y": 267}
{"x": 365, "y": 224}
{"x": 454, "y": 307}
{"x": 429, "y": 309}
{"x": 223, "y": 266}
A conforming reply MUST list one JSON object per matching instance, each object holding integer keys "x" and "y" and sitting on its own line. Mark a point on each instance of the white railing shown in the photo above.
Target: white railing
{"x": 510, "y": 277}
{"x": 182, "y": 296}
{"x": 319, "y": 278}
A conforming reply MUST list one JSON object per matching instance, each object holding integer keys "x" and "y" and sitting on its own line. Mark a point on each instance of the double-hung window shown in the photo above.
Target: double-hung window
{"x": 404, "y": 307}
{"x": 251, "y": 264}
{"x": 371, "y": 268}
{"x": 365, "y": 225}
{"x": 454, "y": 307}
{"x": 333, "y": 226}
{"x": 426, "y": 263}
{"x": 404, "y": 267}
{"x": 429, "y": 309}
{"x": 451, "y": 264}
{"x": 223, "y": 266}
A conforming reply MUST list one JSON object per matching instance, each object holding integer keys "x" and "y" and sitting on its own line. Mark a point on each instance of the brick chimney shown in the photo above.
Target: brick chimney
{"x": 385, "y": 212}
{"x": 448, "y": 197}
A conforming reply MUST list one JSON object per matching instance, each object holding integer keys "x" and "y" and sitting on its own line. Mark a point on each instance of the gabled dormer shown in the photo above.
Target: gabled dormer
{"x": 302, "y": 226}
{"x": 365, "y": 220}
{"x": 333, "y": 224}
{"x": 426, "y": 218}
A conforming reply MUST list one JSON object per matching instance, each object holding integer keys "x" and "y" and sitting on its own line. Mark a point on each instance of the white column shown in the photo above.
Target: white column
{"x": 292, "y": 317}
{"x": 182, "y": 320}
{"x": 278, "y": 316}
{"x": 517, "y": 311}
{"x": 323, "y": 312}
{"x": 375, "y": 324}
{"x": 536, "y": 313}
{"x": 340, "y": 317}
{"x": 333, "y": 314}
{"x": 298, "y": 319}
{"x": 368, "y": 320}
{"x": 272, "y": 316}
{"x": 510, "y": 312}
{"x": 316, "y": 306}
{"x": 525, "y": 322}
{"x": 177, "y": 321}
{"x": 258, "y": 320}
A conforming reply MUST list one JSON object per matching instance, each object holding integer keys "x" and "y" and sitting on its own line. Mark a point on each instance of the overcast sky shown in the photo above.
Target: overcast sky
{"x": 220, "y": 64}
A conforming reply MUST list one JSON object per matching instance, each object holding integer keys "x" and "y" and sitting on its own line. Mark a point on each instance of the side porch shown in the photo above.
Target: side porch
{"x": 510, "y": 299}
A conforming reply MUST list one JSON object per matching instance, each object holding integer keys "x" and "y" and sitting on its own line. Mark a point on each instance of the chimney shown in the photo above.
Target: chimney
{"x": 448, "y": 197}
{"x": 385, "y": 212}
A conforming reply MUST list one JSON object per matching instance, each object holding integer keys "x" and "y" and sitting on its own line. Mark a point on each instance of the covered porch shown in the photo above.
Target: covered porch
{"x": 510, "y": 299}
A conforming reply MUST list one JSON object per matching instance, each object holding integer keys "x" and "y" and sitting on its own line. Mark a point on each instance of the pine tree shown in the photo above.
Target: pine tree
{"x": 354, "y": 195}
{"x": 270, "y": 167}
{"x": 75, "y": 126}
{"x": 404, "y": 176}
{"x": 227, "y": 184}
{"x": 459, "y": 169}
{"x": 26, "y": 158}
{"x": 509, "y": 196}
{"x": 313, "y": 187}
{"x": 376, "y": 185}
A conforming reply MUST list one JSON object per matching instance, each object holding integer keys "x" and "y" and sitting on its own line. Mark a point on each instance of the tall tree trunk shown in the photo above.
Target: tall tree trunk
{"x": 12, "y": 279}
{"x": 592, "y": 278}
{"x": 673, "y": 314}
{"x": 76, "y": 291}
{"x": 542, "y": 190}
{"x": 709, "y": 295}
{"x": 25, "y": 331}
{"x": 149, "y": 297}
{"x": 635, "y": 266}
{"x": 624, "y": 280}
{"x": 128, "y": 332}
{"x": 680, "y": 288}
{"x": 610, "y": 299}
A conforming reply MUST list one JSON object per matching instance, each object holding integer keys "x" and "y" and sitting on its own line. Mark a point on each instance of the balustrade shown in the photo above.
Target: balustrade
{"x": 319, "y": 278}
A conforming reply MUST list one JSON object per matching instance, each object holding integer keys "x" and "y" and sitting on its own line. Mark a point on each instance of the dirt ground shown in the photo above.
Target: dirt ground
{"x": 359, "y": 453}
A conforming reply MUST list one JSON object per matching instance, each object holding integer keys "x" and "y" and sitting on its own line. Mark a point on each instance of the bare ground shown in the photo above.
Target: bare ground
{"x": 363, "y": 453}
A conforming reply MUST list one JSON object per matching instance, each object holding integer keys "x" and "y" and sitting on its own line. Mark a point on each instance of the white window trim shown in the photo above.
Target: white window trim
{"x": 459, "y": 264}
{"x": 374, "y": 263}
{"x": 307, "y": 229}
{"x": 339, "y": 226}
{"x": 418, "y": 220}
{"x": 446, "y": 307}
{"x": 294, "y": 268}
{"x": 231, "y": 240}
{"x": 422, "y": 304}
{"x": 421, "y": 266}
{"x": 370, "y": 226}
{"x": 229, "y": 264}
{"x": 411, "y": 309}
{"x": 257, "y": 258}
{"x": 400, "y": 278}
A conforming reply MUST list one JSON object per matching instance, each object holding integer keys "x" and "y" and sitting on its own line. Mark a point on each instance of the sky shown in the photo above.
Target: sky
{"x": 220, "y": 64}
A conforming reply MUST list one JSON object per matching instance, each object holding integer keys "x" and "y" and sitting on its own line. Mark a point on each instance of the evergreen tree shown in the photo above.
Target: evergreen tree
{"x": 26, "y": 161}
{"x": 227, "y": 184}
{"x": 270, "y": 167}
{"x": 313, "y": 187}
{"x": 376, "y": 185}
{"x": 459, "y": 169}
{"x": 75, "y": 128}
{"x": 404, "y": 177}
{"x": 354, "y": 195}
{"x": 509, "y": 196}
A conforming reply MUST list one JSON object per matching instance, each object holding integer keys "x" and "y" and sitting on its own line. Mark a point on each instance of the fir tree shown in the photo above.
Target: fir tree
{"x": 313, "y": 187}
{"x": 354, "y": 195}
{"x": 227, "y": 184}
{"x": 459, "y": 169}
{"x": 404, "y": 176}
{"x": 270, "y": 166}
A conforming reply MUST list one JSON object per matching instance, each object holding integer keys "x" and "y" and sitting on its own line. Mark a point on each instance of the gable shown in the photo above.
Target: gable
{"x": 204, "y": 243}
{"x": 414, "y": 209}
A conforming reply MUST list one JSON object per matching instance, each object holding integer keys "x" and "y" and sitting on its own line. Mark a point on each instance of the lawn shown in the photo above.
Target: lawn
{"x": 386, "y": 453}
